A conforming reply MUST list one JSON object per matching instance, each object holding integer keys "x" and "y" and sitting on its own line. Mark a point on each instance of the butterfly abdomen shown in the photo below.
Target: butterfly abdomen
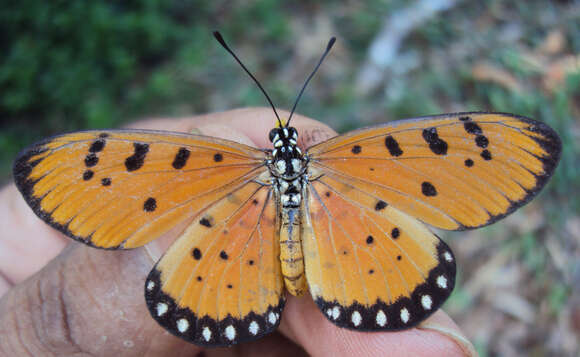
{"x": 291, "y": 257}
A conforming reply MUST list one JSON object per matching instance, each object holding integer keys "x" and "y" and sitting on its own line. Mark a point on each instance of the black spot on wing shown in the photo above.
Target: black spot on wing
{"x": 150, "y": 204}
{"x": 437, "y": 145}
{"x": 393, "y": 146}
{"x": 395, "y": 233}
{"x": 97, "y": 146}
{"x": 136, "y": 161}
{"x": 218, "y": 157}
{"x": 486, "y": 155}
{"x": 468, "y": 162}
{"x": 106, "y": 181}
{"x": 206, "y": 222}
{"x": 180, "y": 158}
{"x": 196, "y": 253}
{"x": 88, "y": 174}
{"x": 91, "y": 160}
{"x": 481, "y": 141}
{"x": 472, "y": 128}
{"x": 356, "y": 149}
{"x": 380, "y": 205}
{"x": 428, "y": 189}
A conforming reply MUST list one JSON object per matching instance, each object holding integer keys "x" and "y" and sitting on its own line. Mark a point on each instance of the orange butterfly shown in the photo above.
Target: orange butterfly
{"x": 342, "y": 219}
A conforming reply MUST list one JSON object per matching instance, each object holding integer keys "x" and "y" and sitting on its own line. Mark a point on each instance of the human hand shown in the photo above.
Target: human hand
{"x": 64, "y": 299}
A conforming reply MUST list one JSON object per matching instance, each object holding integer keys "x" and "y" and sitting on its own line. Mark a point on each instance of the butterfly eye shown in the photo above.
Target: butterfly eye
{"x": 293, "y": 133}
{"x": 272, "y": 134}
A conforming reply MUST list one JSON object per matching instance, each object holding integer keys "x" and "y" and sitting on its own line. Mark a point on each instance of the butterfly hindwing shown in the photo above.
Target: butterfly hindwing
{"x": 124, "y": 188}
{"x": 453, "y": 171}
{"x": 220, "y": 283}
{"x": 372, "y": 269}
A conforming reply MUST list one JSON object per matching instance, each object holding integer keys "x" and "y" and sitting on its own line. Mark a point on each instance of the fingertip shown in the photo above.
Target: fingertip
{"x": 305, "y": 324}
{"x": 249, "y": 126}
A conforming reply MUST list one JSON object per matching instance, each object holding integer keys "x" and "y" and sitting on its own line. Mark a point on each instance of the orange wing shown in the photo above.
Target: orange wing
{"x": 371, "y": 269}
{"x": 124, "y": 188}
{"x": 453, "y": 171}
{"x": 220, "y": 282}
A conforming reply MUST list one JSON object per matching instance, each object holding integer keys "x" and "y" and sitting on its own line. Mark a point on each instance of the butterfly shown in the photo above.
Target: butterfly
{"x": 344, "y": 220}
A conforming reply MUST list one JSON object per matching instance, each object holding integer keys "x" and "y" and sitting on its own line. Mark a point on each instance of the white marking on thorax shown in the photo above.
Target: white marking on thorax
{"x": 296, "y": 165}
{"x": 281, "y": 166}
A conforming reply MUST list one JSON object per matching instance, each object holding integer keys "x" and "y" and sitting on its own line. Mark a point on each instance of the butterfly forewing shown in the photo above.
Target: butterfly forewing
{"x": 120, "y": 188}
{"x": 220, "y": 282}
{"x": 453, "y": 171}
{"x": 372, "y": 269}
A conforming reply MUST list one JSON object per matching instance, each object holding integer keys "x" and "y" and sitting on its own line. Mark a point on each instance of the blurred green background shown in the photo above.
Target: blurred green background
{"x": 68, "y": 65}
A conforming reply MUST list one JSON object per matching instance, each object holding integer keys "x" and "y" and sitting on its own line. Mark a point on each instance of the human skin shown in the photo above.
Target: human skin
{"x": 59, "y": 297}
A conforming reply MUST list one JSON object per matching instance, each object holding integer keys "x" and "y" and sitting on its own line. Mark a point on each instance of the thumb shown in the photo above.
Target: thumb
{"x": 84, "y": 301}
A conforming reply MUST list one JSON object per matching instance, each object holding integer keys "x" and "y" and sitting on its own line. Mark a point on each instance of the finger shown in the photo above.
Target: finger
{"x": 304, "y": 323}
{"x": 23, "y": 235}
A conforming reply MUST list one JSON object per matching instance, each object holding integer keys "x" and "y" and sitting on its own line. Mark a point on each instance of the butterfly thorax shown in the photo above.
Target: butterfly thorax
{"x": 287, "y": 167}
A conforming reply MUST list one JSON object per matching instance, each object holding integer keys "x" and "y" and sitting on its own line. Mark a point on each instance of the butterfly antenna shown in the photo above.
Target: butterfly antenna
{"x": 220, "y": 39}
{"x": 328, "y": 47}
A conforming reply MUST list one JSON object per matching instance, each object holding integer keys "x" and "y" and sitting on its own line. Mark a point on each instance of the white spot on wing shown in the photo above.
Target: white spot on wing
{"x": 427, "y": 302}
{"x": 335, "y": 312}
{"x": 206, "y": 333}
{"x": 405, "y": 315}
{"x": 448, "y": 257}
{"x": 329, "y": 312}
{"x": 182, "y": 325}
{"x": 162, "y": 308}
{"x": 230, "y": 332}
{"x": 381, "y": 318}
{"x": 442, "y": 282}
{"x": 272, "y": 318}
{"x": 356, "y": 318}
{"x": 150, "y": 285}
{"x": 254, "y": 328}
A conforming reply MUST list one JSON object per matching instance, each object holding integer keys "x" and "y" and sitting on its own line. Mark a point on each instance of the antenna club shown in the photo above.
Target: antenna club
{"x": 330, "y": 43}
